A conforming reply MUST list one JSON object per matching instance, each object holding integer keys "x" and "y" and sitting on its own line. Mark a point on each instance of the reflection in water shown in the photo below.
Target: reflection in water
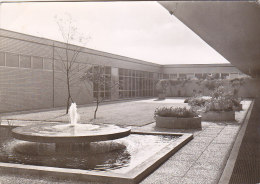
{"x": 119, "y": 155}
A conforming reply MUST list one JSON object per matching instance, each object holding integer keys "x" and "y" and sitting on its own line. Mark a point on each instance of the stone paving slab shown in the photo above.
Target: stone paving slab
{"x": 208, "y": 165}
{"x": 167, "y": 179}
{"x": 184, "y": 157}
{"x": 197, "y": 180}
{"x": 202, "y": 173}
{"x": 176, "y": 168}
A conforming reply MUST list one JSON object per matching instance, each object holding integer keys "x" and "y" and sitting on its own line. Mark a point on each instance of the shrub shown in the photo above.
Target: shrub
{"x": 178, "y": 112}
{"x": 197, "y": 101}
{"x": 219, "y": 104}
{"x": 237, "y": 82}
{"x": 221, "y": 100}
{"x": 212, "y": 84}
{"x": 218, "y": 92}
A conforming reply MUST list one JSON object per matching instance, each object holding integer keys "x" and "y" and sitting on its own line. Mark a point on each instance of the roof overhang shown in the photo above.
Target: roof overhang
{"x": 232, "y": 28}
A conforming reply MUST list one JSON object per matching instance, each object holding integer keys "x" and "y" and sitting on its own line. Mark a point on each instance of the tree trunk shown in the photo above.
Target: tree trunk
{"x": 97, "y": 104}
{"x": 95, "y": 113}
{"x": 69, "y": 95}
{"x": 68, "y": 104}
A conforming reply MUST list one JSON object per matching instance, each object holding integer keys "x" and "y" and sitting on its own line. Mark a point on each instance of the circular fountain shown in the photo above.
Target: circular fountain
{"x": 66, "y": 136}
{"x": 65, "y": 133}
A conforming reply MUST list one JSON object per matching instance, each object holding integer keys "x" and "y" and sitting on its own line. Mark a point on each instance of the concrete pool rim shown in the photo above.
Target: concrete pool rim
{"x": 135, "y": 175}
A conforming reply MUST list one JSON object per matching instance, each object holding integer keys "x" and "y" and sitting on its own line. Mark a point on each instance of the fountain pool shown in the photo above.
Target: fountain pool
{"x": 87, "y": 152}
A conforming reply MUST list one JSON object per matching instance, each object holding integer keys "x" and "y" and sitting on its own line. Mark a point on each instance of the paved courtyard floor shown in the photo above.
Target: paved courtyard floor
{"x": 201, "y": 161}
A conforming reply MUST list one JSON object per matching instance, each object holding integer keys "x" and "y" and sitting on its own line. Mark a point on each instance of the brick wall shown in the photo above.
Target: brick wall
{"x": 28, "y": 79}
{"x": 24, "y": 89}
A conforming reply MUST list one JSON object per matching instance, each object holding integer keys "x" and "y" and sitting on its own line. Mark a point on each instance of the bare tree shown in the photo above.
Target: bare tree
{"x": 68, "y": 55}
{"x": 100, "y": 81}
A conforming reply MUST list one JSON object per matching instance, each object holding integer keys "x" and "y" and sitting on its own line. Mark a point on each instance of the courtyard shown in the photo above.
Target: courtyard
{"x": 202, "y": 160}
{"x": 63, "y": 62}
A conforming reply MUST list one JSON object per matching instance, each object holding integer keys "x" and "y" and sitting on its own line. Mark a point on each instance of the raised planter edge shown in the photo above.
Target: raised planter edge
{"x": 178, "y": 123}
{"x": 218, "y": 116}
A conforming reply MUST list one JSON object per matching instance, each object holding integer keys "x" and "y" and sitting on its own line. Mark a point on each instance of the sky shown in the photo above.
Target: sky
{"x": 140, "y": 30}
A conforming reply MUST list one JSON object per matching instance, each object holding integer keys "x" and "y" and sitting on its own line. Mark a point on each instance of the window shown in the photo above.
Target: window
{"x": 12, "y": 60}
{"x": 173, "y": 76}
{"x": 135, "y": 83}
{"x": 182, "y": 75}
{"x": 37, "y": 63}
{"x": 2, "y": 59}
{"x": 25, "y": 61}
{"x": 104, "y": 86}
{"x": 165, "y": 76}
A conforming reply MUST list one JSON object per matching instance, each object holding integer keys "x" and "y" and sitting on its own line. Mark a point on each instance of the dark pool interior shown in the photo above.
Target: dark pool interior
{"x": 126, "y": 153}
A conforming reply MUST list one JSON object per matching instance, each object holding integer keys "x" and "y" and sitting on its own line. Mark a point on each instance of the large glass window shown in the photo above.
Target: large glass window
{"x": 102, "y": 83}
{"x": 134, "y": 83}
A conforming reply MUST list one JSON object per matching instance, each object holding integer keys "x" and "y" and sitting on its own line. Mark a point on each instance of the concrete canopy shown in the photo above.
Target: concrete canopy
{"x": 231, "y": 28}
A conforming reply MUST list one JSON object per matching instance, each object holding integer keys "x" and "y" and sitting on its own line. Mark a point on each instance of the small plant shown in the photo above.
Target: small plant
{"x": 178, "y": 112}
{"x": 187, "y": 100}
{"x": 197, "y": 101}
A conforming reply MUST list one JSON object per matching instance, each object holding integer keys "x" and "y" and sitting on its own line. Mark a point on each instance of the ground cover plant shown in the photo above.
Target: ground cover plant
{"x": 178, "y": 112}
